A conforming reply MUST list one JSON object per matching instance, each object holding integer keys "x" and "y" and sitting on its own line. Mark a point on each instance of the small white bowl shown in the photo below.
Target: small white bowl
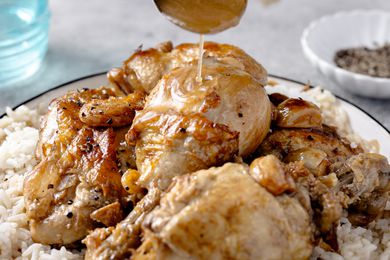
{"x": 323, "y": 38}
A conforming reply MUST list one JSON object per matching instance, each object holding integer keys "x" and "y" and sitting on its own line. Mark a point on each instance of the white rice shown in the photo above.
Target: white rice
{"x": 19, "y": 135}
{"x": 18, "y": 138}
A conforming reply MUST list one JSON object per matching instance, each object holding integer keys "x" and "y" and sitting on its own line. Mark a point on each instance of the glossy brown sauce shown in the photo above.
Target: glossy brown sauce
{"x": 203, "y": 16}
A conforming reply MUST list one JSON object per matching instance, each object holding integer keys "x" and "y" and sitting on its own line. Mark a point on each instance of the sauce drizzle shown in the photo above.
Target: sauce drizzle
{"x": 200, "y": 59}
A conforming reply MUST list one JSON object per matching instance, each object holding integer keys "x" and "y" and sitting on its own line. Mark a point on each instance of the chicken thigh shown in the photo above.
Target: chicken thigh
{"x": 193, "y": 222}
{"x": 76, "y": 186}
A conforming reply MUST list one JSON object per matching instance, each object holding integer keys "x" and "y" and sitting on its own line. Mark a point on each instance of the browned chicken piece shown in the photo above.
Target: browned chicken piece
{"x": 227, "y": 54}
{"x": 283, "y": 142}
{"x": 120, "y": 242}
{"x": 144, "y": 69}
{"x": 61, "y": 123}
{"x": 298, "y": 113}
{"x": 299, "y": 135}
{"x": 193, "y": 222}
{"x": 359, "y": 183}
{"x": 168, "y": 145}
{"x": 227, "y": 96}
{"x": 362, "y": 174}
{"x": 365, "y": 179}
{"x": 318, "y": 194}
{"x": 77, "y": 183}
{"x": 112, "y": 112}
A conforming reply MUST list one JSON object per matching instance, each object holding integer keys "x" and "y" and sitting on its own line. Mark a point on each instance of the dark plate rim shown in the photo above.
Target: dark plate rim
{"x": 272, "y": 75}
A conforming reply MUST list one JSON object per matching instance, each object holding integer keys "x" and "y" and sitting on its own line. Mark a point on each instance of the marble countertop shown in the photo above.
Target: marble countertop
{"x": 93, "y": 36}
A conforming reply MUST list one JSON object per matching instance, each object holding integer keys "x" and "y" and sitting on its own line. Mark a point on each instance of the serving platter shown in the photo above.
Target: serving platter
{"x": 362, "y": 123}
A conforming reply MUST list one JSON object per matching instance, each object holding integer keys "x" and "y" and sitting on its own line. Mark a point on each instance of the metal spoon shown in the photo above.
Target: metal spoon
{"x": 203, "y": 16}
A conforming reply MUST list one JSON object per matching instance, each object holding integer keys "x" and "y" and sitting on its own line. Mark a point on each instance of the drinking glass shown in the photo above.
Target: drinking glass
{"x": 24, "y": 26}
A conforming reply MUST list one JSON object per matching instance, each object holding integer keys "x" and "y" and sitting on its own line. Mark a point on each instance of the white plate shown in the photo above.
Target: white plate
{"x": 362, "y": 123}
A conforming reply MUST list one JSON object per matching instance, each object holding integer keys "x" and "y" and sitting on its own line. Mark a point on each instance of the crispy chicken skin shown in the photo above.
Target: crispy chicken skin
{"x": 227, "y": 96}
{"x": 111, "y": 112}
{"x": 282, "y": 141}
{"x": 173, "y": 144}
{"x": 193, "y": 222}
{"x": 145, "y": 68}
{"x": 297, "y": 133}
{"x": 61, "y": 123}
{"x": 77, "y": 174}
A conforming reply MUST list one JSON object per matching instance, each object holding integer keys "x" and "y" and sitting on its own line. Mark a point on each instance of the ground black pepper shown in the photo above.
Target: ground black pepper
{"x": 372, "y": 62}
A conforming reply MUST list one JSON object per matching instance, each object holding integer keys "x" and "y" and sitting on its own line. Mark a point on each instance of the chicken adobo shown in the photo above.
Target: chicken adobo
{"x": 159, "y": 165}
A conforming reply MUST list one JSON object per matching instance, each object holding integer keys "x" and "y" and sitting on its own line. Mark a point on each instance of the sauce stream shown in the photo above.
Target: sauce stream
{"x": 200, "y": 59}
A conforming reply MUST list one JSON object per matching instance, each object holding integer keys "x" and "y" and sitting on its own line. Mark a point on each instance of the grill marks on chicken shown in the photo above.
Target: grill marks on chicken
{"x": 77, "y": 183}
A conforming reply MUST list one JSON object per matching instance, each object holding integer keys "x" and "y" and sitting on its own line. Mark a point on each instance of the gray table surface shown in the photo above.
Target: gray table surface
{"x": 92, "y": 36}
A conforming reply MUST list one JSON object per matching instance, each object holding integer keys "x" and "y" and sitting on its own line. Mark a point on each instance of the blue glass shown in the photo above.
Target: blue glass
{"x": 24, "y": 28}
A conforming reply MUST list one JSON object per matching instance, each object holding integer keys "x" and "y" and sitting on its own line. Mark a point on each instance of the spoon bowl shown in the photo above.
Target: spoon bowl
{"x": 203, "y": 16}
